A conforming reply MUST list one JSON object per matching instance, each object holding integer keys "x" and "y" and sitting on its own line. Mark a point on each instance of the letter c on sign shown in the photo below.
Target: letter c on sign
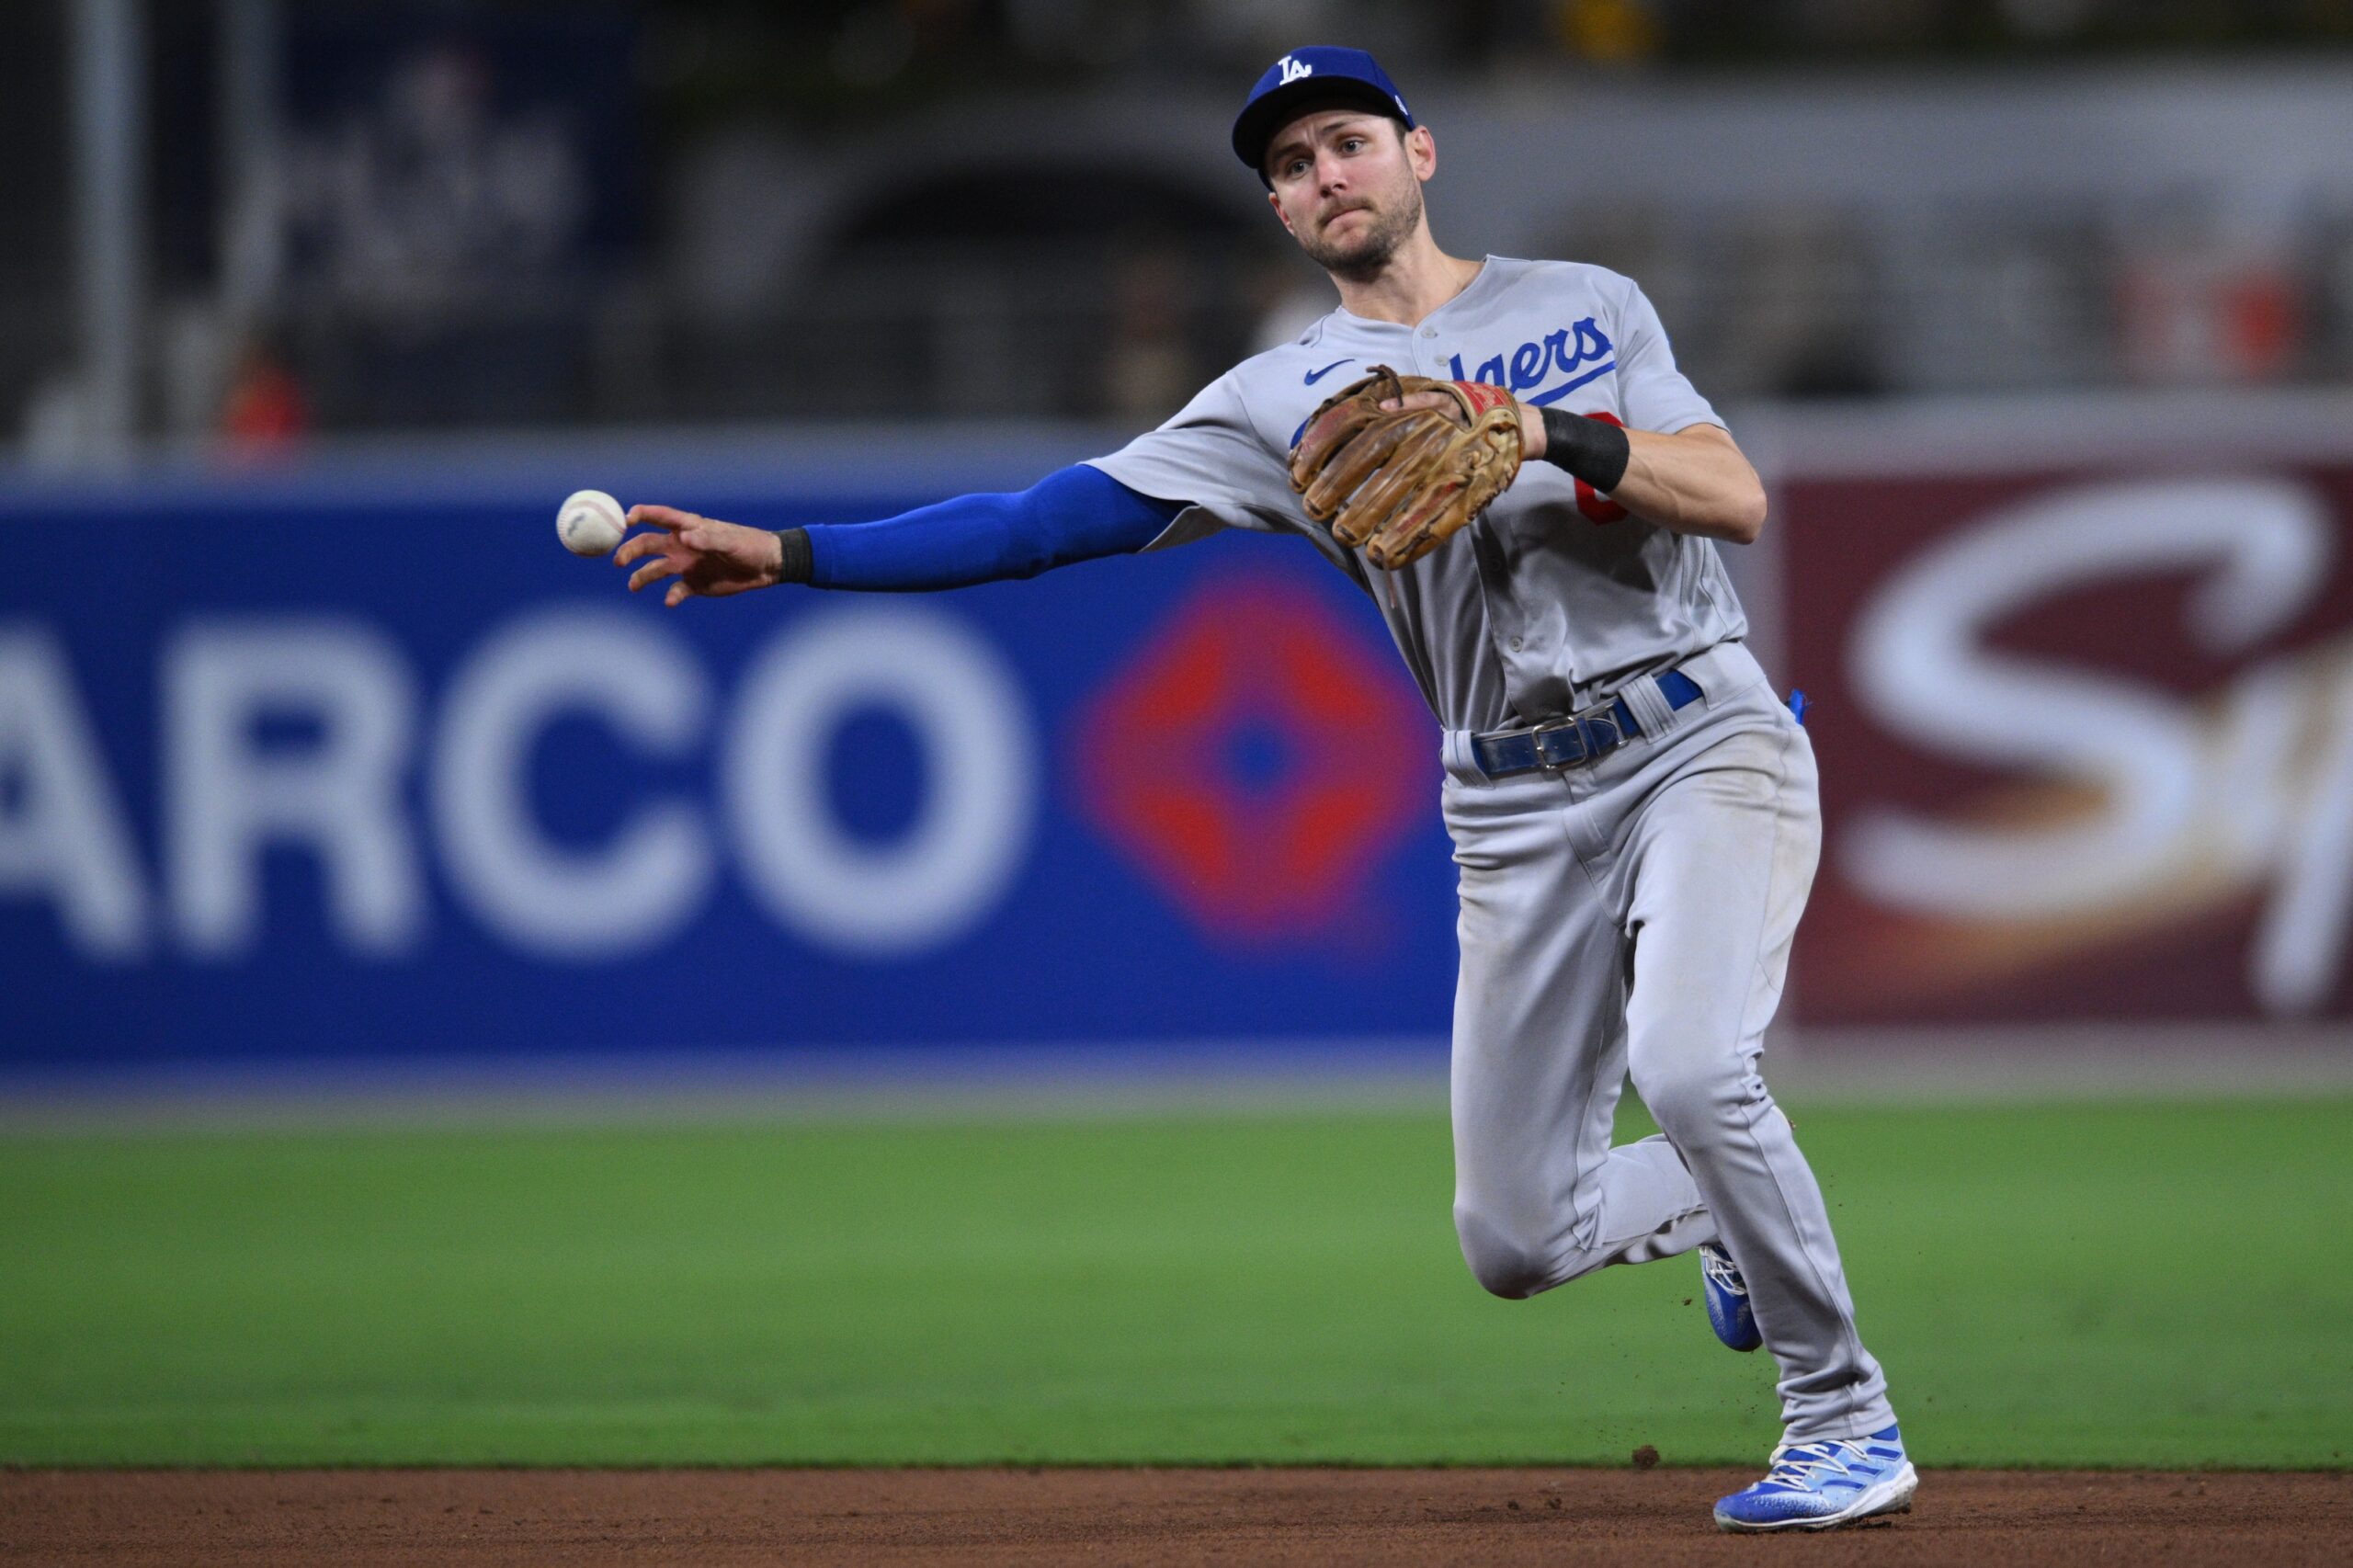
{"x": 967, "y": 712}
{"x": 634, "y": 891}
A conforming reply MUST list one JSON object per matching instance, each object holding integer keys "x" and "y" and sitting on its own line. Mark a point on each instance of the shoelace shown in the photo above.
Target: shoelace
{"x": 1794, "y": 1467}
{"x": 1724, "y": 1272}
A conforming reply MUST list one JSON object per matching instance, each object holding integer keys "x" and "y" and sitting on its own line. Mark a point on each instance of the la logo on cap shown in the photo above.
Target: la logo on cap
{"x": 1293, "y": 70}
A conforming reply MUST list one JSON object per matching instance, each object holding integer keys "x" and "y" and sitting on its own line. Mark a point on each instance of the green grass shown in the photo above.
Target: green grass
{"x": 2138, "y": 1285}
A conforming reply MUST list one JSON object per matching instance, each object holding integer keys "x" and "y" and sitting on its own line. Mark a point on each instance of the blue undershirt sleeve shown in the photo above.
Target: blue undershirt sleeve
{"x": 1074, "y": 513}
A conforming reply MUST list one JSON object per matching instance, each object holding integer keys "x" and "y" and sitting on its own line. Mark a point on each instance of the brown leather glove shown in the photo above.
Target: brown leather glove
{"x": 1400, "y": 482}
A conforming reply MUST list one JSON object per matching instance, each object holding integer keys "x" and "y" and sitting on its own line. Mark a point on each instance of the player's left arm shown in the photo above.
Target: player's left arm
{"x": 1671, "y": 462}
{"x": 1695, "y": 481}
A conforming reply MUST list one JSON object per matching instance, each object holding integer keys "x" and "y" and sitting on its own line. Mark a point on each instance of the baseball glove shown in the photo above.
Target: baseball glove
{"x": 1398, "y": 481}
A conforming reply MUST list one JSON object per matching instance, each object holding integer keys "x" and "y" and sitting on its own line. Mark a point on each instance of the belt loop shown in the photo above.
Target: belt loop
{"x": 1651, "y": 710}
{"x": 1460, "y": 758}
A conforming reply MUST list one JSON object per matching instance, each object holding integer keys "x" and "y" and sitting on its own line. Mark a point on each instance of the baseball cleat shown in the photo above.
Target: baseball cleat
{"x": 1728, "y": 1312}
{"x": 1819, "y": 1486}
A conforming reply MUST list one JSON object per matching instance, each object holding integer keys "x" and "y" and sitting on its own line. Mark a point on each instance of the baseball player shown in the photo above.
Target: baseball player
{"x": 1634, "y": 812}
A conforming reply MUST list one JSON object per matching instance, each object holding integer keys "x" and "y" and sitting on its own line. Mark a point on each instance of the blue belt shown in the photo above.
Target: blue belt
{"x": 1580, "y": 738}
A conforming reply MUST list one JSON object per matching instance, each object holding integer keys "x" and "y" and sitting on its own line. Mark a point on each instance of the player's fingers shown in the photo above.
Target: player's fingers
{"x": 677, "y": 593}
{"x": 637, "y": 547}
{"x": 652, "y": 571}
{"x": 660, "y": 517}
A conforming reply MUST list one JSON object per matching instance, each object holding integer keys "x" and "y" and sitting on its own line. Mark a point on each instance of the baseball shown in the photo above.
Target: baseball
{"x": 590, "y": 523}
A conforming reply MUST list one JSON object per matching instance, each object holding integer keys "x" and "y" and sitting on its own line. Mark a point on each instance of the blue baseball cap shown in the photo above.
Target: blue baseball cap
{"x": 1318, "y": 72}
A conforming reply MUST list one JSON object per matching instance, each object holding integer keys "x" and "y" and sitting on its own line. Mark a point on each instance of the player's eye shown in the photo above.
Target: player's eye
{"x": 1350, "y": 144}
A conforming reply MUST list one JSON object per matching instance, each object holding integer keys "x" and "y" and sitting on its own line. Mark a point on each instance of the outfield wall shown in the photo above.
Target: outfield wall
{"x": 350, "y": 764}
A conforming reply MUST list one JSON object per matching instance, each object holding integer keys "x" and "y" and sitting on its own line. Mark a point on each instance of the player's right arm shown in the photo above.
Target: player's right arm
{"x": 1074, "y": 514}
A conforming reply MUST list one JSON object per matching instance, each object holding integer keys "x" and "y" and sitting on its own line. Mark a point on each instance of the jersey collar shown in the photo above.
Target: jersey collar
{"x": 1478, "y": 284}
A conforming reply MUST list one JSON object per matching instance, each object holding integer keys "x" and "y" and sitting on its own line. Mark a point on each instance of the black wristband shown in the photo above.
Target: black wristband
{"x": 797, "y": 559}
{"x": 1593, "y": 449}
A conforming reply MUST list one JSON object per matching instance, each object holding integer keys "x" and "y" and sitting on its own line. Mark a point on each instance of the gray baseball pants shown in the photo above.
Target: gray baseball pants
{"x": 1635, "y": 917}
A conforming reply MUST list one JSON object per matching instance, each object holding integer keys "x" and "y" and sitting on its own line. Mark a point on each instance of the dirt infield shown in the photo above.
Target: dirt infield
{"x": 1654, "y": 1517}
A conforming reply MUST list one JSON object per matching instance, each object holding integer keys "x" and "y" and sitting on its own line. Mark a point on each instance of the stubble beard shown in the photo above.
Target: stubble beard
{"x": 1361, "y": 258}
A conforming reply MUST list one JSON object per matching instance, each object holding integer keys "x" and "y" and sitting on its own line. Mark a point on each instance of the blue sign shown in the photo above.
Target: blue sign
{"x": 358, "y": 764}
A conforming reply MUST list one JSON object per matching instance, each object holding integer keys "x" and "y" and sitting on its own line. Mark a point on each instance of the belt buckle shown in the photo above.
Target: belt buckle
{"x": 1536, "y": 740}
{"x": 1590, "y": 746}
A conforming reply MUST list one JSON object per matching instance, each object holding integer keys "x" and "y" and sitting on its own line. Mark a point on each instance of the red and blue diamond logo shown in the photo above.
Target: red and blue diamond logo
{"x": 1258, "y": 760}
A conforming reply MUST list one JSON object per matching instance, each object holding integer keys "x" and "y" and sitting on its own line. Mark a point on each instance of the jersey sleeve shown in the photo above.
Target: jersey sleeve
{"x": 1654, "y": 394}
{"x": 1210, "y": 457}
{"x": 1074, "y": 514}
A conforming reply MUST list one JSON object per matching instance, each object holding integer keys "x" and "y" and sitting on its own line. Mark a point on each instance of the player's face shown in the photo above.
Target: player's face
{"x": 1348, "y": 187}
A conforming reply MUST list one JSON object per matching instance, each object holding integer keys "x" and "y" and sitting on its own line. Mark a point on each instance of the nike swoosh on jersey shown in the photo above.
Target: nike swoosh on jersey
{"x": 1316, "y": 376}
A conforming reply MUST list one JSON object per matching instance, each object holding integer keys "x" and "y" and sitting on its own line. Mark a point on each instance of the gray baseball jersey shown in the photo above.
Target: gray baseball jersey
{"x": 1553, "y": 595}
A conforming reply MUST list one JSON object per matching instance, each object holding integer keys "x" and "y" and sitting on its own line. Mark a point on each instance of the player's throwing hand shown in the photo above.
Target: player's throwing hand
{"x": 707, "y": 557}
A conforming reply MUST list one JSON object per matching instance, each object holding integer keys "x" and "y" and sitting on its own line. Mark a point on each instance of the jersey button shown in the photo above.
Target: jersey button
{"x": 1429, "y": 332}
{"x": 1514, "y": 645}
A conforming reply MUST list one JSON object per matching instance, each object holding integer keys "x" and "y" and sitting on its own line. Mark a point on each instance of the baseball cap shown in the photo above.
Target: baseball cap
{"x": 1319, "y": 71}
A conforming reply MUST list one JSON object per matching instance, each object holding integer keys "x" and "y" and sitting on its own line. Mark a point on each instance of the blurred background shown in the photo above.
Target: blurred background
{"x": 2038, "y": 314}
{"x": 331, "y": 787}
{"x": 268, "y": 220}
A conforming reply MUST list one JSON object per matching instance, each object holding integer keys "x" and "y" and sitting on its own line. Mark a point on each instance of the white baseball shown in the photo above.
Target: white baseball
{"x": 590, "y": 523}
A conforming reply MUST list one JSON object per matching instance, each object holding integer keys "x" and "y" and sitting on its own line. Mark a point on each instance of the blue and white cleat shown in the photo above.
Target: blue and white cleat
{"x": 1819, "y": 1486}
{"x": 1728, "y": 1312}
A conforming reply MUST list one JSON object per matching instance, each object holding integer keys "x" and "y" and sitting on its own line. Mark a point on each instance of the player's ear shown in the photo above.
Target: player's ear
{"x": 1276, "y": 203}
{"x": 1421, "y": 152}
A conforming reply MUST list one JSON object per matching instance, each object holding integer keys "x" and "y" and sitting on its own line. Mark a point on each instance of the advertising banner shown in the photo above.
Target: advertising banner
{"x": 376, "y": 770}
{"x": 356, "y": 765}
{"x": 2087, "y": 742}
